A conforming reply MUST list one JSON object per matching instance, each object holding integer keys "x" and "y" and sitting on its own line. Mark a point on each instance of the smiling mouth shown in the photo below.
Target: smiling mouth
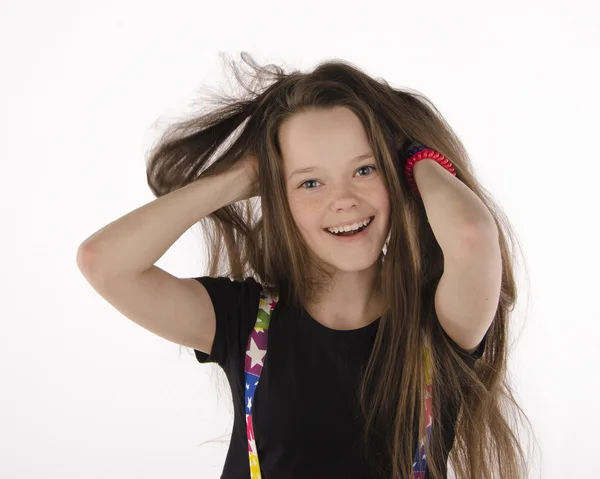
{"x": 354, "y": 232}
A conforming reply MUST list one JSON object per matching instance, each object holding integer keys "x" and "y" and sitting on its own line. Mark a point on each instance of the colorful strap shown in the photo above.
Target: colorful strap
{"x": 420, "y": 464}
{"x": 253, "y": 365}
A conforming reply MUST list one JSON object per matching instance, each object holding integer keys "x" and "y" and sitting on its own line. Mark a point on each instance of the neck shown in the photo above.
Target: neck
{"x": 350, "y": 302}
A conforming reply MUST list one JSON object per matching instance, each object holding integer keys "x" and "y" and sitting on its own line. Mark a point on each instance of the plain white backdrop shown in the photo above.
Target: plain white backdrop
{"x": 87, "y": 87}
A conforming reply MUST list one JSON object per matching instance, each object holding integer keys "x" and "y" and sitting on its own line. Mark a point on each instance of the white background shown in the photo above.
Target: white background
{"x": 86, "y": 87}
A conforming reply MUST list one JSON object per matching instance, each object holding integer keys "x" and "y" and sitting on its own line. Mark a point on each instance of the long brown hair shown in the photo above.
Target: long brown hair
{"x": 245, "y": 240}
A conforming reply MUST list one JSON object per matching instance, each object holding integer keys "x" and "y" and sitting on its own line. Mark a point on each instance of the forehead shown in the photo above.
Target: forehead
{"x": 325, "y": 134}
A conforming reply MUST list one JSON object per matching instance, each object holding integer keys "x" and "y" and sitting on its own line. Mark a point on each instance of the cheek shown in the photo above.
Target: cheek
{"x": 305, "y": 215}
{"x": 383, "y": 200}
{"x": 385, "y": 205}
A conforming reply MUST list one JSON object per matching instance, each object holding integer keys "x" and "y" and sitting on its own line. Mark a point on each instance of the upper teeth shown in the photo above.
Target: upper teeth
{"x": 353, "y": 226}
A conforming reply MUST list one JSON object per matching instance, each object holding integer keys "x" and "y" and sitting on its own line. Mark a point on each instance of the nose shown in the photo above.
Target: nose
{"x": 342, "y": 196}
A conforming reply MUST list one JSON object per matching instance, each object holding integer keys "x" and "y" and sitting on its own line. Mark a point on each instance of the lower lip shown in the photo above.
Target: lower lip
{"x": 356, "y": 237}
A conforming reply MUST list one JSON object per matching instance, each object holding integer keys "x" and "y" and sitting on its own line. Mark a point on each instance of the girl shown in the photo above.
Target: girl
{"x": 369, "y": 299}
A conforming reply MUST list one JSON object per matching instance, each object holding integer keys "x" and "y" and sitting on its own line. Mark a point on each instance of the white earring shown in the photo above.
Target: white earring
{"x": 385, "y": 245}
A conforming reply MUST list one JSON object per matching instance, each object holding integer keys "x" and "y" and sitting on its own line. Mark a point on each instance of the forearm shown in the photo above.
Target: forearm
{"x": 136, "y": 241}
{"x": 453, "y": 210}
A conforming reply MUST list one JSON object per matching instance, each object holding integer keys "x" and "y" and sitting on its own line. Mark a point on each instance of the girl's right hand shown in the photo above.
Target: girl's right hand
{"x": 251, "y": 187}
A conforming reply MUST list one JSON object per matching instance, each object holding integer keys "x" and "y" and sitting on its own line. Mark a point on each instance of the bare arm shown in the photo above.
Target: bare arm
{"x": 118, "y": 260}
{"x": 135, "y": 242}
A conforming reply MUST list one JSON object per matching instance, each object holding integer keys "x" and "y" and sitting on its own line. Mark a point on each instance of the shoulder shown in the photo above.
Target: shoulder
{"x": 232, "y": 290}
{"x": 242, "y": 298}
{"x": 236, "y": 304}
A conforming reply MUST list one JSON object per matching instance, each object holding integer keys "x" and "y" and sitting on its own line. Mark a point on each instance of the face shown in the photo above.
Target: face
{"x": 343, "y": 186}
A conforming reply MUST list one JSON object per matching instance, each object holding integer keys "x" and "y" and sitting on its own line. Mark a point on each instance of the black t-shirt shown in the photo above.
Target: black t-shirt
{"x": 306, "y": 423}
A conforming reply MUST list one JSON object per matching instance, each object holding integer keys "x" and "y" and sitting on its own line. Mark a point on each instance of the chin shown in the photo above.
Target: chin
{"x": 355, "y": 266}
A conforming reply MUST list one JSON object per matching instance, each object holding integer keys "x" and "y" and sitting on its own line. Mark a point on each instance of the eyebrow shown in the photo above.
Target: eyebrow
{"x": 312, "y": 168}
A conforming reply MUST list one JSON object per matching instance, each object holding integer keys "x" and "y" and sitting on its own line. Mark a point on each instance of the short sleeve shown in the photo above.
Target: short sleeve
{"x": 234, "y": 302}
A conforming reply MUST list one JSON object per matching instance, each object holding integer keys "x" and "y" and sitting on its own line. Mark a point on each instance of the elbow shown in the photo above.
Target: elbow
{"x": 85, "y": 259}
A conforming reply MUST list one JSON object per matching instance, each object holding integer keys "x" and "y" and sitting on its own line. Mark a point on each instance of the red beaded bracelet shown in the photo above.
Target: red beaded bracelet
{"x": 418, "y": 153}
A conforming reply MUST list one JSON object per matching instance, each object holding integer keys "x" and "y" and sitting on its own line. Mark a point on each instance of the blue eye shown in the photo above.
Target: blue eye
{"x": 373, "y": 167}
{"x": 370, "y": 166}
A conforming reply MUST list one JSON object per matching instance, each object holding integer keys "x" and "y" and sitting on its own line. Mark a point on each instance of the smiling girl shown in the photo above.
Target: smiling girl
{"x": 359, "y": 282}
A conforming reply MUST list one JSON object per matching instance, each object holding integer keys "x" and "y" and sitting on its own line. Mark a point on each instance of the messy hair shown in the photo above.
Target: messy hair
{"x": 258, "y": 238}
